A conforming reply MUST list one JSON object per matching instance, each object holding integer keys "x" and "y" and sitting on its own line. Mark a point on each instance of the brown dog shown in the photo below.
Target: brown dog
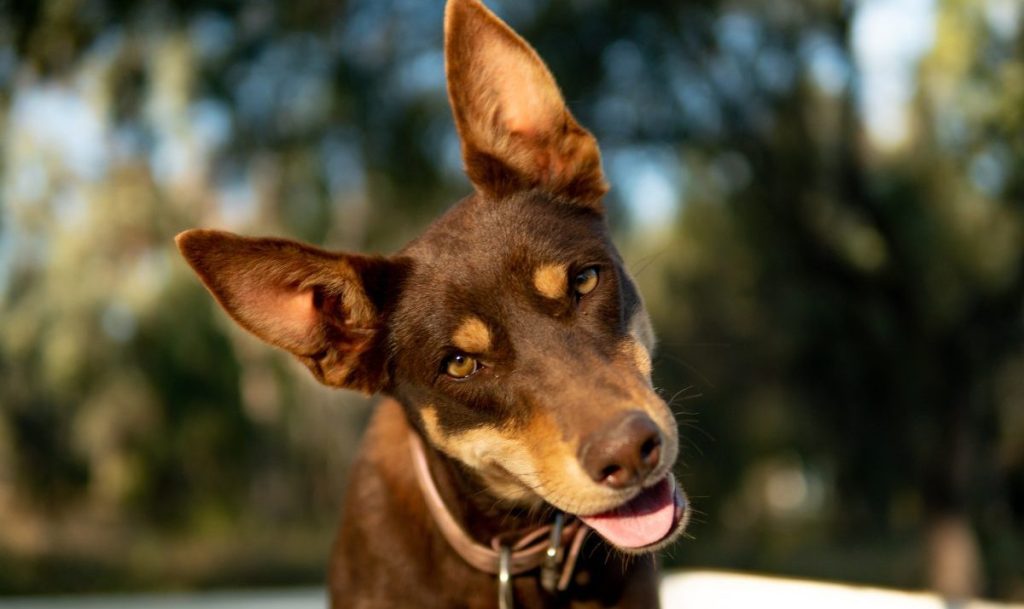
{"x": 515, "y": 350}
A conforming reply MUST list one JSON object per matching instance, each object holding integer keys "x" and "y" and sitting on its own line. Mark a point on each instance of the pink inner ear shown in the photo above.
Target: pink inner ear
{"x": 521, "y": 112}
{"x": 527, "y": 97}
{"x": 524, "y": 116}
{"x": 287, "y": 314}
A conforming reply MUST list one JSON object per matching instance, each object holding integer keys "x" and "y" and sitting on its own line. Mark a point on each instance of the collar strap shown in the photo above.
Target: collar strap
{"x": 530, "y": 551}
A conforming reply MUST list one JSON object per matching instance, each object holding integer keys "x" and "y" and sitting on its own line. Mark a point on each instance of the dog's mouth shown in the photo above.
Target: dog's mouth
{"x": 647, "y": 522}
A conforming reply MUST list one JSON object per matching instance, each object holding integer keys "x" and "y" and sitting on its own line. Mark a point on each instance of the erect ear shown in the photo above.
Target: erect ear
{"x": 327, "y": 309}
{"x": 516, "y": 131}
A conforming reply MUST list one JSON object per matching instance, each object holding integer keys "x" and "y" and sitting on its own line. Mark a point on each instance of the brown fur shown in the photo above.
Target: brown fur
{"x": 490, "y": 279}
{"x": 391, "y": 555}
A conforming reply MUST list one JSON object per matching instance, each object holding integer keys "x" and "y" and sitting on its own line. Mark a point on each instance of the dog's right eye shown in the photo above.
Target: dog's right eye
{"x": 585, "y": 281}
{"x": 460, "y": 366}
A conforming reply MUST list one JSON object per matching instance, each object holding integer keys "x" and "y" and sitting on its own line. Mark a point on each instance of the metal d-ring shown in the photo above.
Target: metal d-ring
{"x": 504, "y": 578}
{"x": 549, "y": 572}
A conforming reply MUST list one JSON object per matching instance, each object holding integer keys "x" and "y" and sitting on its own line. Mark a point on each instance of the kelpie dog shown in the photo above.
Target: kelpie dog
{"x": 516, "y": 354}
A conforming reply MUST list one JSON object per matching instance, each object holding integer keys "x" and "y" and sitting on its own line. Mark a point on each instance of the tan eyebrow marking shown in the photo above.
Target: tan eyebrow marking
{"x": 551, "y": 280}
{"x": 472, "y": 336}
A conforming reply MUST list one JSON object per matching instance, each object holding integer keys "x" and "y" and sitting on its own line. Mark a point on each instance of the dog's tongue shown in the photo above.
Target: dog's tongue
{"x": 645, "y": 520}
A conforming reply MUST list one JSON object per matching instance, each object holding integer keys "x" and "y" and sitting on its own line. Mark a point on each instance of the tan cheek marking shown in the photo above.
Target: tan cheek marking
{"x": 551, "y": 280}
{"x": 472, "y": 336}
{"x": 504, "y": 464}
{"x": 548, "y": 445}
{"x": 640, "y": 356}
{"x": 523, "y": 466}
{"x": 429, "y": 414}
{"x": 640, "y": 329}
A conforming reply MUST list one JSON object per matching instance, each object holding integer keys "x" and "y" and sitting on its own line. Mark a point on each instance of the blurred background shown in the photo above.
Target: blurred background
{"x": 823, "y": 202}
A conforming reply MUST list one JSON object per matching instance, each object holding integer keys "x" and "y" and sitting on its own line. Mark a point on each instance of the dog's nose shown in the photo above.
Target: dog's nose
{"x": 623, "y": 452}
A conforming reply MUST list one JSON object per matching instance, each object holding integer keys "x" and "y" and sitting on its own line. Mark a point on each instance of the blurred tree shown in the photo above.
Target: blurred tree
{"x": 884, "y": 292}
{"x": 841, "y": 318}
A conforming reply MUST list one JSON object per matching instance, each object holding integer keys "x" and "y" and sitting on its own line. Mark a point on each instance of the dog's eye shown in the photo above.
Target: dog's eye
{"x": 585, "y": 281}
{"x": 461, "y": 366}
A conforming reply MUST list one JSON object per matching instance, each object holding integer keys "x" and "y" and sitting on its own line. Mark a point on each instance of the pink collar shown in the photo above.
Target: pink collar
{"x": 541, "y": 547}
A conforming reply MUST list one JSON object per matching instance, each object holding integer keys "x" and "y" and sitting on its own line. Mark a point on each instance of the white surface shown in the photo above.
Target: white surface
{"x": 716, "y": 590}
{"x": 314, "y": 598}
{"x": 686, "y": 590}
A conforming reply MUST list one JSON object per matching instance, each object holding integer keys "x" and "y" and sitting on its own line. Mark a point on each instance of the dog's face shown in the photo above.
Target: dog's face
{"x": 523, "y": 349}
{"x": 510, "y": 330}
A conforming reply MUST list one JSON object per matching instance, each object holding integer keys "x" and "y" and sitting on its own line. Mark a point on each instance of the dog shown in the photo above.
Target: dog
{"x": 514, "y": 353}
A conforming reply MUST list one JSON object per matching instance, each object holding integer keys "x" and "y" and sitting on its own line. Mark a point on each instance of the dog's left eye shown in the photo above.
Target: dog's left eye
{"x": 585, "y": 281}
{"x": 460, "y": 366}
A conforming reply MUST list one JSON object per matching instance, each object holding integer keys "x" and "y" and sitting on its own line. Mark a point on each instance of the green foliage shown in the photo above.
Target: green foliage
{"x": 841, "y": 319}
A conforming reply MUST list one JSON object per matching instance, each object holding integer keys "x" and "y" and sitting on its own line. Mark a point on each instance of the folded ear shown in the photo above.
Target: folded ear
{"x": 327, "y": 309}
{"x": 516, "y": 131}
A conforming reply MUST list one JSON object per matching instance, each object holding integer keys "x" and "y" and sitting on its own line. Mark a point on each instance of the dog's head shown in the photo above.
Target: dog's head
{"x": 510, "y": 330}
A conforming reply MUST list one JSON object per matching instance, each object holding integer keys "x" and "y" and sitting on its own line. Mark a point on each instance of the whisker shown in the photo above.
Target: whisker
{"x": 691, "y": 444}
{"x": 676, "y": 394}
{"x": 687, "y": 398}
{"x": 691, "y": 368}
{"x": 700, "y": 430}
{"x": 646, "y": 262}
